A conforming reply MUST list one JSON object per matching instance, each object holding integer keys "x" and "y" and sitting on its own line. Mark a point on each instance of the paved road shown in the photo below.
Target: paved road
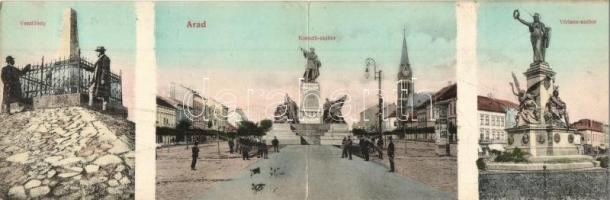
{"x": 318, "y": 173}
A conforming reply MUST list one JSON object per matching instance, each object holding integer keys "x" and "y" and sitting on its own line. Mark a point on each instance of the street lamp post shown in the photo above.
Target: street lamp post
{"x": 376, "y": 76}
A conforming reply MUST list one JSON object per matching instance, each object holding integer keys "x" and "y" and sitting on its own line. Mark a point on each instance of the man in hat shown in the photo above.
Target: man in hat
{"x": 100, "y": 85}
{"x": 195, "y": 154}
{"x": 391, "y": 154}
{"x": 12, "y": 85}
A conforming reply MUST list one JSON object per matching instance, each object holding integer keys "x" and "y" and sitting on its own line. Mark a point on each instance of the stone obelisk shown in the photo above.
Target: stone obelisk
{"x": 69, "y": 36}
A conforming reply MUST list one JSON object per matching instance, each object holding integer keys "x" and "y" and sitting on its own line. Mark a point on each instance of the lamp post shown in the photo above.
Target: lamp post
{"x": 376, "y": 76}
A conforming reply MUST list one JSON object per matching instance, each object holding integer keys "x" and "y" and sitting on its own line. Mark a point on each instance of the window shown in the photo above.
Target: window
{"x": 486, "y": 120}
{"x": 482, "y": 118}
{"x": 493, "y": 120}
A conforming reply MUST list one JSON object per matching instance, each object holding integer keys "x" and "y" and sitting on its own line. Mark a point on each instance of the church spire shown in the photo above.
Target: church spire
{"x": 405, "y": 66}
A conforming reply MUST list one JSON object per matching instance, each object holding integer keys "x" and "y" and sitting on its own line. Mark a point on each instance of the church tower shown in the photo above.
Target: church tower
{"x": 69, "y": 37}
{"x": 405, "y": 86}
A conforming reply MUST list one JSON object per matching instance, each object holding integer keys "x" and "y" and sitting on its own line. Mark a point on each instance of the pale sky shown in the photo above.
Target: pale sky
{"x": 255, "y": 47}
{"x": 578, "y": 53}
{"x": 111, "y": 24}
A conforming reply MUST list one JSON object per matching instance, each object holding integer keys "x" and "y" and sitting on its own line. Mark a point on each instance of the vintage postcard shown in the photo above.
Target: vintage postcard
{"x": 66, "y": 92}
{"x": 543, "y": 100}
{"x": 306, "y": 100}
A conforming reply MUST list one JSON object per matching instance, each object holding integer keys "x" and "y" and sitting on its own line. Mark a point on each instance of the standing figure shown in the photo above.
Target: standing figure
{"x": 348, "y": 146}
{"x": 539, "y": 36}
{"x": 312, "y": 68}
{"x": 380, "y": 147}
{"x": 100, "y": 85}
{"x": 12, "y": 85}
{"x": 245, "y": 148}
{"x": 195, "y": 151}
{"x": 231, "y": 144}
{"x": 391, "y": 154}
{"x": 276, "y": 144}
{"x": 343, "y": 147}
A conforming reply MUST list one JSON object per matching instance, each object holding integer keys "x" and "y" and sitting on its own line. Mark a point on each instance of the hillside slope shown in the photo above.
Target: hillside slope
{"x": 67, "y": 153}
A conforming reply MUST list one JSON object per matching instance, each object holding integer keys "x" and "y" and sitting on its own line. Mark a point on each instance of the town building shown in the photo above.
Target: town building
{"x": 494, "y": 116}
{"x": 405, "y": 87}
{"x": 594, "y": 135}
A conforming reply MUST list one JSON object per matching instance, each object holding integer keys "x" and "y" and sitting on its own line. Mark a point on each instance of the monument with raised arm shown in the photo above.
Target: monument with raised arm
{"x": 311, "y": 121}
{"x": 542, "y": 126}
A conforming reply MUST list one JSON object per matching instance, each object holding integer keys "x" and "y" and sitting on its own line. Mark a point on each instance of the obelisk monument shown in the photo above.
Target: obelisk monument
{"x": 69, "y": 37}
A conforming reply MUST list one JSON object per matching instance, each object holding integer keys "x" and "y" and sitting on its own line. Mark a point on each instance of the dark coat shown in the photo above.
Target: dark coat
{"x": 101, "y": 77}
{"x": 12, "y": 86}
{"x": 195, "y": 150}
{"x": 391, "y": 149}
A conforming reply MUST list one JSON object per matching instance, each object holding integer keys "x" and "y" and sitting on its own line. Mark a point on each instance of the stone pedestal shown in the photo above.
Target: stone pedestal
{"x": 310, "y": 111}
{"x": 335, "y": 134}
{"x": 311, "y": 133}
{"x": 540, "y": 140}
{"x": 539, "y": 78}
{"x": 284, "y": 134}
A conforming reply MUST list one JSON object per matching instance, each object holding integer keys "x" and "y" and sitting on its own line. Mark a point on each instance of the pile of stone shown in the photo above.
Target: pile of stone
{"x": 66, "y": 153}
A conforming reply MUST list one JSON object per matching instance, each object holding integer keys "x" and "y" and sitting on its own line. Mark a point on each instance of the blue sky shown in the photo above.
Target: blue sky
{"x": 256, "y": 45}
{"x": 577, "y": 52}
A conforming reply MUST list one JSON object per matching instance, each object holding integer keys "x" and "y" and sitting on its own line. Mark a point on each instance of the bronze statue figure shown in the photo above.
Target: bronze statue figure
{"x": 286, "y": 112}
{"x": 528, "y": 108}
{"x": 332, "y": 110}
{"x": 540, "y": 36}
{"x": 556, "y": 110}
{"x": 100, "y": 85}
{"x": 12, "y": 85}
{"x": 312, "y": 68}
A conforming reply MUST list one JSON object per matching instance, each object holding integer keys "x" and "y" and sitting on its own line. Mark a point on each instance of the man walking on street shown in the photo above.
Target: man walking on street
{"x": 380, "y": 147}
{"x": 195, "y": 150}
{"x": 245, "y": 148}
{"x": 349, "y": 147}
{"x": 391, "y": 154}
{"x": 276, "y": 144}
{"x": 231, "y": 144}
{"x": 343, "y": 147}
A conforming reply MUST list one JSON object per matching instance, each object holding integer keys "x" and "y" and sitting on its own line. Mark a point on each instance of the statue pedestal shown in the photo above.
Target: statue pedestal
{"x": 283, "y": 133}
{"x": 539, "y": 79}
{"x": 335, "y": 134}
{"x": 310, "y": 109}
{"x": 311, "y": 133}
{"x": 540, "y": 140}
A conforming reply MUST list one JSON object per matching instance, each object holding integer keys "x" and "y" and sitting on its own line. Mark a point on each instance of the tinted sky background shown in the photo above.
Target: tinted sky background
{"x": 256, "y": 46}
{"x": 577, "y": 52}
{"x": 111, "y": 24}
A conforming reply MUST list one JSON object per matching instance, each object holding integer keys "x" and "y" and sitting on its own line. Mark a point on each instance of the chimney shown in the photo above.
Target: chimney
{"x": 69, "y": 36}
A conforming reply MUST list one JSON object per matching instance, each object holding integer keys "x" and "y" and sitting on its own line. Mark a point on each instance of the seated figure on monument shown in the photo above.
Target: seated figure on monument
{"x": 556, "y": 112}
{"x": 12, "y": 85}
{"x": 312, "y": 68}
{"x": 100, "y": 85}
{"x": 286, "y": 112}
{"x": 332, "y": 110}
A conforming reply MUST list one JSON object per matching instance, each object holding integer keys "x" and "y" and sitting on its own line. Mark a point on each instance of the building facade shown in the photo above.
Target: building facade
{"x": 494, "y": 116}
{"x": 594, "y": 135}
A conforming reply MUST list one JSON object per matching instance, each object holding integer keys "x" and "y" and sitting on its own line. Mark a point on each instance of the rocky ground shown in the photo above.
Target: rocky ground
{"x": 66, "y": 153}
{"x": 421, "y": 163}
{"x": 176, "y": 180}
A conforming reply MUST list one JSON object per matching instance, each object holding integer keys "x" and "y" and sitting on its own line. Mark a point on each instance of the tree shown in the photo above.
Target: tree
{"x": 182, "y": 127}
{"x": 265, "y": 125}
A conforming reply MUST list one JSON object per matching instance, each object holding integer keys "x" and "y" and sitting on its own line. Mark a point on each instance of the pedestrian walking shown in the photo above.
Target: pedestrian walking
{"x": 265, "y": 149}
{"x": 195, "y": 151}
{"x": 231, "y": 145}
{"x": 349, "y": 147}
{"x": 391, "y": 154}
{"x": 365, "y": 149}
{"x": 380, "y": 147}
{"x": 276, "y": 144}
{"x": 343, "y": 147}
{"x": 245, "y": 148}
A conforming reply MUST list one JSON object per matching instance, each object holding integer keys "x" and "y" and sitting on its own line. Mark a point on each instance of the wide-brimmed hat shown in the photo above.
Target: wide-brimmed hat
{"x": 10, "y": 58}
{"x": 100, "y": 49}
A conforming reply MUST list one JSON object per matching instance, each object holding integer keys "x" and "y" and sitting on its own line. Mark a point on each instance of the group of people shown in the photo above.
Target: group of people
{"x": 99, "y": 88}
{"x": 244, "y": 146}
{"x": 366, "y": 144}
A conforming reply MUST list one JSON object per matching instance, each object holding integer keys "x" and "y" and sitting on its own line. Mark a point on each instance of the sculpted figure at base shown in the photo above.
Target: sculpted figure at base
{"x": 312, "y": 68}
{"x": 540, "y": 36}
{"x": 332, "y": 110}
{"x": 286, "y": 112}
{"x": 528, "y": 108}
{"x": 556, "y": 110}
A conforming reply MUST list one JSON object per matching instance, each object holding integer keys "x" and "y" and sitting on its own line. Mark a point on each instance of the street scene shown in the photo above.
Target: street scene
{"x": 66, "y": 129}
{"x": 543, "y": 102}
{"x": 322, "y": 108}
